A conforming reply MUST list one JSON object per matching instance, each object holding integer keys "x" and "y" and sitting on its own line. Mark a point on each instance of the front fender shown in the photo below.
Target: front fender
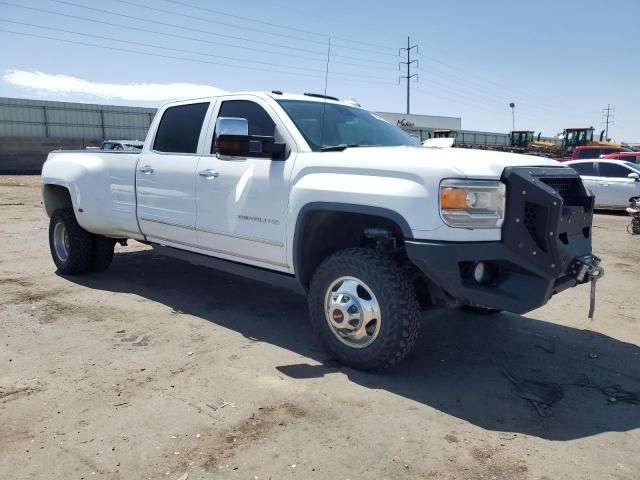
{"x": 402, "y": 200}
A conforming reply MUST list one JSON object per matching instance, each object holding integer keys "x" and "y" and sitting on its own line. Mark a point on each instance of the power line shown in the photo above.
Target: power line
{"x": 173, "y": 57}
{"x": 473, "y": 101}
{"x": 141, "y": 29}
{"x": 179, "y": 50}
{"x": 199, "y": 18}
{"x": 263, "y": 22}
{"x": 150, "y": 45}
{"x": 503, "y": 87}
{"x": 409, "y": 75}
{"x": 483, "y": 91}
{"x": 194, "y": 17}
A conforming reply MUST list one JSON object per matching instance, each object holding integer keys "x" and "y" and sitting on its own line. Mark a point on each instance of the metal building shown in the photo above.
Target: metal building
{"x": 40, "y": 118}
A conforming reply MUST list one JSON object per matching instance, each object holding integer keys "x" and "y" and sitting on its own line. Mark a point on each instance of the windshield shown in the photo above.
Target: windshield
{"x": 343, "y": 125}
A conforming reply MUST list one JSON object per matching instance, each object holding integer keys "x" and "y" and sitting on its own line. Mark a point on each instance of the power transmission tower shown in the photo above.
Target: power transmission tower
{"x": 409, "y": 75}
{"x": 608, "y": 118}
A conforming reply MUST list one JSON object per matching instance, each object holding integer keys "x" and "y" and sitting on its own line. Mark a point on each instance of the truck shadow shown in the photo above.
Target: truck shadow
{"x": 460, "y": 365}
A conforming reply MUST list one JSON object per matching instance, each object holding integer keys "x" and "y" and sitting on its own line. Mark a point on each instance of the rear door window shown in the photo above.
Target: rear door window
{"x": 585, "y": 169}
{"x": 613, "y": 170}
{"x": 179, "y": 129}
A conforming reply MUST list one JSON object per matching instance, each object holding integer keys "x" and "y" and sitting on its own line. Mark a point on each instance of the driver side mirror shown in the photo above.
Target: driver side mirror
{"x": 634, "y": 176}
{"x": 232, "y": 140}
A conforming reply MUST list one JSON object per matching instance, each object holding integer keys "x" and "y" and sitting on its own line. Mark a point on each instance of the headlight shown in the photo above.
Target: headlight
{"x": 472, "y": 203}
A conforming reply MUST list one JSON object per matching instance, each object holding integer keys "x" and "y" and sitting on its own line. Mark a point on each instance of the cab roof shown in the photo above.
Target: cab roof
{"x": 275, "y": 95}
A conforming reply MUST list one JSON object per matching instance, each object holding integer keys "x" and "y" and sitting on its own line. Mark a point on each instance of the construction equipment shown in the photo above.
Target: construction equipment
{"x": 522, "y": 141}
{"x": 520, "y": 138}
{"x": 583, "y": 136}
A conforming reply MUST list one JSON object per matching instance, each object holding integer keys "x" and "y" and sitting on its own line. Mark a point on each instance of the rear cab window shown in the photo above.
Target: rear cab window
{"x": 180, "y": 127}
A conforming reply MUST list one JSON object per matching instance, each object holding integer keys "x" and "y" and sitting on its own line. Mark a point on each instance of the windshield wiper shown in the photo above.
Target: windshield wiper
{"x": 339, "y": 148}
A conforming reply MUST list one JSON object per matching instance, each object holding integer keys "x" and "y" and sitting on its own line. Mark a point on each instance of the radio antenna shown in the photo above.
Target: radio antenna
{"x": 324, "y": 102}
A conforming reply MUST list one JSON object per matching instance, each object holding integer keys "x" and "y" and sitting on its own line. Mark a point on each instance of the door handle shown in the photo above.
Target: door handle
{"x": 147, "y": 170}
{"x": 209, "y": 174}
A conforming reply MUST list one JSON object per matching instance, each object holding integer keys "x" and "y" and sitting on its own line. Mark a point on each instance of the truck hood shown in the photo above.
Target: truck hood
{"x": 468, "y": 162}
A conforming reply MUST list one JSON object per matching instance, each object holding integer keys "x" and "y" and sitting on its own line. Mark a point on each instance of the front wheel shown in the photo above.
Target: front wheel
{"x": 364, "y": 308}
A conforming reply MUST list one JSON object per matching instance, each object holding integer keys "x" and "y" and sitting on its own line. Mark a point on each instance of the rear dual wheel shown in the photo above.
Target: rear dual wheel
{"x": 73, "y": 249}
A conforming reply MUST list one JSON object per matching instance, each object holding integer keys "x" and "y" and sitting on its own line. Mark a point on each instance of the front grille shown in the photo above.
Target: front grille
{"x": 535, "y": 220}
{"x": 530, "y": 218}
{"x": 564, "y": 186}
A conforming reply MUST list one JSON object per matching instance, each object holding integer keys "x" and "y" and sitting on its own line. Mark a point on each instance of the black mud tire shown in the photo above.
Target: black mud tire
{"x": 483, "y": 311}
{"x": 396, "y": 296}
{"x": 102, "y": 253}
{"x": 80, "y": 243}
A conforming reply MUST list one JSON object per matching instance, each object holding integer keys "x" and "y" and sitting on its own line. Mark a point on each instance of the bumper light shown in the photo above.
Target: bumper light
{"x": 472, "y": 203}
{"x": 479, "y": 272}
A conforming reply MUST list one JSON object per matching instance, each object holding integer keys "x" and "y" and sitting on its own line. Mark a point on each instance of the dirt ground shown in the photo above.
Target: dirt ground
{"x": 159, "y": 369}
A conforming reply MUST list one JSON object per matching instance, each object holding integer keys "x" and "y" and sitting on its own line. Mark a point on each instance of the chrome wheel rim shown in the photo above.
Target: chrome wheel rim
{"x": 61, "y": 241}
{"x": 352, "y": 312}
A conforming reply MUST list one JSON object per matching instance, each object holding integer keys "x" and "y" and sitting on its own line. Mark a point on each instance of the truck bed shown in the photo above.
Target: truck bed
{"x": 110, "y": 177}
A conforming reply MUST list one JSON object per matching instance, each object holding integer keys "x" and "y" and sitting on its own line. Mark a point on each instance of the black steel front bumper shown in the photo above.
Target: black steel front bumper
{"x": 546, "y": 238}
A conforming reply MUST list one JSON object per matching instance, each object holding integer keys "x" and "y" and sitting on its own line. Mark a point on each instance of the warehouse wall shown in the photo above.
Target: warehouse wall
{"x": 25, "y": 155}
{"x": 40, "y": 118}
{"x": 30, "y": 129}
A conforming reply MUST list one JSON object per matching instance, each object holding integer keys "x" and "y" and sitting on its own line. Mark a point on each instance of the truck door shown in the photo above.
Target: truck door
{"x": 165, "y": 176}
{"x": 242, "y": 203}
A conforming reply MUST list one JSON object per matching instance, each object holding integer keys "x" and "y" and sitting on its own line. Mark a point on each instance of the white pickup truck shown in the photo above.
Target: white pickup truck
{"x": 310, "y": 192}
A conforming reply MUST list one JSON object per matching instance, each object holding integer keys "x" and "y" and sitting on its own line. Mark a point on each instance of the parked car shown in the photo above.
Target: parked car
{"x": 311, "y": 193}
{"x": 613, "y": 182}
{"x": 120, "y": 145}
{"x": 587, "y": 152}
{"x": 633, "y": 157}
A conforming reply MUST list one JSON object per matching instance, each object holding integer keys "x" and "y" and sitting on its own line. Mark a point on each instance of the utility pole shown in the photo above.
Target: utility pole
{"x": 408, "y": 63}
{"x": 608, "y": 119}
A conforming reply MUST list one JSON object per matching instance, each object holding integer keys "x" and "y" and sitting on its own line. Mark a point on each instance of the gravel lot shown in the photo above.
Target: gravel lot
{"x": 157, "y": 369}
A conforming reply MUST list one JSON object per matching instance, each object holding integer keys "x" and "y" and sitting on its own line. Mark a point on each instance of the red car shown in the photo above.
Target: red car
{"x": 586, "y": 152}
{"x": 592, "y": 151}
{"x": 633, "y": 157}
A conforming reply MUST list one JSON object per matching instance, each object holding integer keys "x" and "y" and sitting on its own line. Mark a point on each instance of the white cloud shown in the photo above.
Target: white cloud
{"x": 65, "y": 85}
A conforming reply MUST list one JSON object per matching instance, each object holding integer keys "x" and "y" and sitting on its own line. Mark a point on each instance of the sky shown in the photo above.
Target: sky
{"x": 560, "y": 62}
